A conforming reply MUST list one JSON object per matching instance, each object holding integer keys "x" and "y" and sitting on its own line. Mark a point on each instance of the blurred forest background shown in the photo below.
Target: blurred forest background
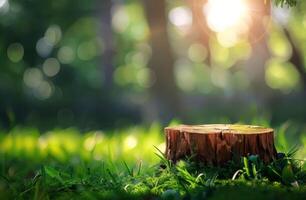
{"x": 109, "y": 63}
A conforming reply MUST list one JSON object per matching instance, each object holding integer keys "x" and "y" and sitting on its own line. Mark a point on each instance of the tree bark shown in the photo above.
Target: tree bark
{"x": 218, "y": 143}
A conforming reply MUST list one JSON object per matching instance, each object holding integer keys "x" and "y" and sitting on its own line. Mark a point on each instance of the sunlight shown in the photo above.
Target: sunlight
{"x": 225, "y": 14}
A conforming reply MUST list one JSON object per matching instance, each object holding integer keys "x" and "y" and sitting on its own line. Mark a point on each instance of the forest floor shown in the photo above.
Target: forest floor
{"x": 129, "y": 164}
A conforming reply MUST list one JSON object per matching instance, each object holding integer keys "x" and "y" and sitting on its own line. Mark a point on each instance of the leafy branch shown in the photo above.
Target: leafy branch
{"x": 289, "y": 3}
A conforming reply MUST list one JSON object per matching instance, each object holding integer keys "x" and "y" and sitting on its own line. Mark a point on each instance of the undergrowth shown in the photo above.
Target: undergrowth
{"x": 56, "y": 171}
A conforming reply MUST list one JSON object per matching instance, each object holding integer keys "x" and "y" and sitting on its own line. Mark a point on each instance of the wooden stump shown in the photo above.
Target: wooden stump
{"x": 216, "y": 144}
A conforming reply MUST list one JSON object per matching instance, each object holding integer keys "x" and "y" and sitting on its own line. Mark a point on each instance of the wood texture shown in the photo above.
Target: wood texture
{"x": 216, "y": 144}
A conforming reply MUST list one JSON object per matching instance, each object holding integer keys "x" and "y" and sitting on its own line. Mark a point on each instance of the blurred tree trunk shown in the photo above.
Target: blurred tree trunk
{"x": 255, "y": 65}
{"x": 200, "y": 31}
{"x": 164, "y": 91}
{"x": 296, "y": 58}
{"x": 105, "y": 16}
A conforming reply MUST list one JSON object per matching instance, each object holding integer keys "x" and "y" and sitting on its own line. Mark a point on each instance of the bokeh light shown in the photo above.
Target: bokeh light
{"x": 130, "y": 142}
{"x": 220, "y": 54}
{"x": 227, "y": 38}
{"x": 225, "y": 14}
{"x": 32, "y": 77}
{"x": 185, "y": 77}
{"x": 34, "y": 80}
{"x": 281, "y": 75}
{"x": 128, "y": 20}
{"x": 51, "y": 67}
{"x": 145, "y": 77}
{"x": 53, "y": 34}
{"x": 204, "y": 83}
{"x": 15, "y": 52}
{"x": 242, "y": 50}
{"x": 197, "y": 52}
{"x": 279, "y": 45}
{"x": 44, "y": 47}
{"x": 220, "y": 77}
{"x": 121, "y": 75}
{"x": 93, "y": 140}
{"x": 43, "y": 91}
{"x": 66, "y": 55}
{"x": 180, "y": 16}
{"x": 87, "y": 50}
{"x": 120, "y": 19}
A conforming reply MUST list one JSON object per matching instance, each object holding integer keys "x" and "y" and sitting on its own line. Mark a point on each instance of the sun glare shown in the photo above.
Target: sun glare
{"x": 224, "y": 14}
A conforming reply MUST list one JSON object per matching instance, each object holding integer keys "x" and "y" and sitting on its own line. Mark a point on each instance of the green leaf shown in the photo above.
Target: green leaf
{"x": 246, "y": 166}
{"x": 254, "y": 170}
{"x": 53, "y": 173}
{"x": 129, "y": 171}
{"x": 274, "y": 171}
{"x": 287, "y": 174}
{"x": 293, "y": 151}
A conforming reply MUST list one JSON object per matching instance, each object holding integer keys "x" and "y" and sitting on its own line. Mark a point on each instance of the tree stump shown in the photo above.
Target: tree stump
{"x": 216, "y": 144}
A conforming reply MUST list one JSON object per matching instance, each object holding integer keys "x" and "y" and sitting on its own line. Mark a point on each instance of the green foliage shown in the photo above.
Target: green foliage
{"x": 289, "y": 3}
{"x": 63, "y": 164}
{"x": 285, "y": 169}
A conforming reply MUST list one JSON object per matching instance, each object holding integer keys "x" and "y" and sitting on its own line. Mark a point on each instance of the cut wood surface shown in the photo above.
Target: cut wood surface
{"x": 215, "y": 144}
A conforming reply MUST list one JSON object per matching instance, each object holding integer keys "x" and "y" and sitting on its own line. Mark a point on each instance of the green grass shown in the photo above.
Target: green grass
{"x": 129, "y": 164}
